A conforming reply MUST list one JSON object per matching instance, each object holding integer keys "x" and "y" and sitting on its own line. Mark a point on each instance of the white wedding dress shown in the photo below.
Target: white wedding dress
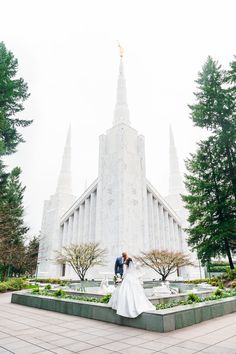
{"x": 129, "y": 299}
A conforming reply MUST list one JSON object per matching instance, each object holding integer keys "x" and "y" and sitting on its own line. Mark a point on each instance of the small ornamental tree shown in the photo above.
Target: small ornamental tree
{"x": 164, "y": 262}
{"x": 81, "y": 257}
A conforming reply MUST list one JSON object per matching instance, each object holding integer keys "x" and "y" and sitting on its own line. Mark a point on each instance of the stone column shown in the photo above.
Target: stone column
{"x": 75, "y": 227}
{"x": 81, "y": 223}
{"x": 65, "y": 233}
{"x": 181, "y": 243}
{"x": 167, "y": 235}
{"x": 158, "y": 227}
{"x": 150, "y": 220}
{"x": 92, "y": 217}
{"x": 172, "y": 235}
{"x": 156, "y": 224}
{"x": 70, "y": 230}
{"x": 86, "y": 220}
{"x": 162, "y": 228}
{"x": 177, "y": 241}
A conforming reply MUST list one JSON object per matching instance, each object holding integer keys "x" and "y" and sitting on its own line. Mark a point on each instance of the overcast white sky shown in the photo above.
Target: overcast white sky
{"x": 68, "y": 54}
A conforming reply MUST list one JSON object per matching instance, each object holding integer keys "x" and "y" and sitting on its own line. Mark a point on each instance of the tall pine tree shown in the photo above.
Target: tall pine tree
{"x": 212, "y": 209}
{"x": 12, "y": 228}
{"x": 211, "y": 177}
{"x": 13, "y": 93}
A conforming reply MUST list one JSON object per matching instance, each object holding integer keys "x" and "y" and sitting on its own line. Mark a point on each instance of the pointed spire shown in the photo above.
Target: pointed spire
{"x": 64, "y": 178}
{"x": 175, "y": 181}
{"x": 121, "y": 114}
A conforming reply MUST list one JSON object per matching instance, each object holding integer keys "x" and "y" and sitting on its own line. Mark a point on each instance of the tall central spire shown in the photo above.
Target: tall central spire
{"x": 64, "y": 179}
{"x": 175, "y": 181}
{"x": 121, "y": 114}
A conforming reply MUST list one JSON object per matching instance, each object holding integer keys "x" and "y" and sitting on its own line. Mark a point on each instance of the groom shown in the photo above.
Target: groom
{"x": 119, "y": 264}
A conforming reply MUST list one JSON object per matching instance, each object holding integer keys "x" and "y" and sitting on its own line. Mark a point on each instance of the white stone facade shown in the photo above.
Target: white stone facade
{"x": 121, "y": 209}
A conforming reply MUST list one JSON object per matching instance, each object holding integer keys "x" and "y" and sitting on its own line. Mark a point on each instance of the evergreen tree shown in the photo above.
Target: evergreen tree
{"x": 215, "y": 110}
{"x": 211, "y": 206}
{"x": 32, "y": 256}
{"x": 12, "y": 228}
{"x": 13, "y": 92}
{"x": 211, "y": 178}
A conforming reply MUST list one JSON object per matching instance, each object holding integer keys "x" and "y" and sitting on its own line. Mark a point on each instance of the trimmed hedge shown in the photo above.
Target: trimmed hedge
{"x": 49, "y": 280}
{"x": 212, "y": 281}
{"x": 218, "y": 267}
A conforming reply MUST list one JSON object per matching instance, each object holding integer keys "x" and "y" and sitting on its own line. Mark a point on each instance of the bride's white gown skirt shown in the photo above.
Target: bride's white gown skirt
{"x": 129, "y": 299}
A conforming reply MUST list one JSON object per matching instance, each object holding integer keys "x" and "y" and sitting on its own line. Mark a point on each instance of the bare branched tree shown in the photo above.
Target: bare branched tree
{"x": 164, "y": 262}
{"x": 82, "y": 257}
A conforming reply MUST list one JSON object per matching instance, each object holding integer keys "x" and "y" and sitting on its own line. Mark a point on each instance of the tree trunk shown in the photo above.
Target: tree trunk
{"x": 228, "y": 252}
{"x": 231, "y": 169}
{"x": 4, "y": 274}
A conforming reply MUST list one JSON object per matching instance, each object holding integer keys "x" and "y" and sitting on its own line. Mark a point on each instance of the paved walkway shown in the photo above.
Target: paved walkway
{"x": 25, "y": 330}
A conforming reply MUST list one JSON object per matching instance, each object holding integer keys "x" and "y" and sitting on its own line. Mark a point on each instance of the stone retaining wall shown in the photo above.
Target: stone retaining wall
{"x": 160, "y": 321}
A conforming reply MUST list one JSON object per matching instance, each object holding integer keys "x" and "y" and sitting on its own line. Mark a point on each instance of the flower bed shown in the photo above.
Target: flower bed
{"x": 64, "y": 295}
{"x": 191, "y": 298}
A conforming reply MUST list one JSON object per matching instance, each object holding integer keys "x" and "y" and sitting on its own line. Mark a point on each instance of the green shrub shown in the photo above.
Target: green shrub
{"x": 59, "y": 293}
{"x": 48, "y": 287}
{"x": 30, "y": 286}
{"x": 3, "y": 287}
{"x": 218, "y": 292}
{"x": 48, "y": 280}
{"x": 198, "y": 281}
{"x": 63, "y": 283}
{"x": 35, "y": 291}
{"x": 166, "y": 306}
{"x": 231, "y": 274}
{"x": 85, "y": 298}
{"x": 193, "y": 297}
{"x": 233, "y": 284}
{"x": 16, "y": 284}
{"x": 221, "y": 284}
{"x": 105, "y": 299}
{"x": 218, "y": 266}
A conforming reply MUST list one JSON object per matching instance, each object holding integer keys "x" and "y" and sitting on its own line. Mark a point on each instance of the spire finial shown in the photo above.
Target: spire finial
{"x": 121, "y": 50}
{"x": 121, "y": 114}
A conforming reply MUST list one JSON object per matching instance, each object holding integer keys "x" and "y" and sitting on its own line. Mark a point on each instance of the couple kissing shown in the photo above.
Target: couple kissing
{"x": 129, "y": 299}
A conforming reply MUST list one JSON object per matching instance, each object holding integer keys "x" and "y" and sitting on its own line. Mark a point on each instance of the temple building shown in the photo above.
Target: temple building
{"x": 121, "y": 209}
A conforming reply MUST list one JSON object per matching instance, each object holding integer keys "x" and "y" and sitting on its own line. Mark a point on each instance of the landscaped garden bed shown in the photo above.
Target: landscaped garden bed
{"x": 49, "y": 290}
{"x": 166, "y": 318}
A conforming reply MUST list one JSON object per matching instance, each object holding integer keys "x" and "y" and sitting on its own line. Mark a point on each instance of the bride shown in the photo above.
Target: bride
{"x": 129, "y": 299}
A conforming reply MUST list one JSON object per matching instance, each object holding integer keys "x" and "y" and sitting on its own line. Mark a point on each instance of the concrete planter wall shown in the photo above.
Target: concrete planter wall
{"x": 160, "y": 321}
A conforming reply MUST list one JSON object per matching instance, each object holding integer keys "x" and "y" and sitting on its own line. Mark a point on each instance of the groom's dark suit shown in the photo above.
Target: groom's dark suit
{"x": 119, "y": 265}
